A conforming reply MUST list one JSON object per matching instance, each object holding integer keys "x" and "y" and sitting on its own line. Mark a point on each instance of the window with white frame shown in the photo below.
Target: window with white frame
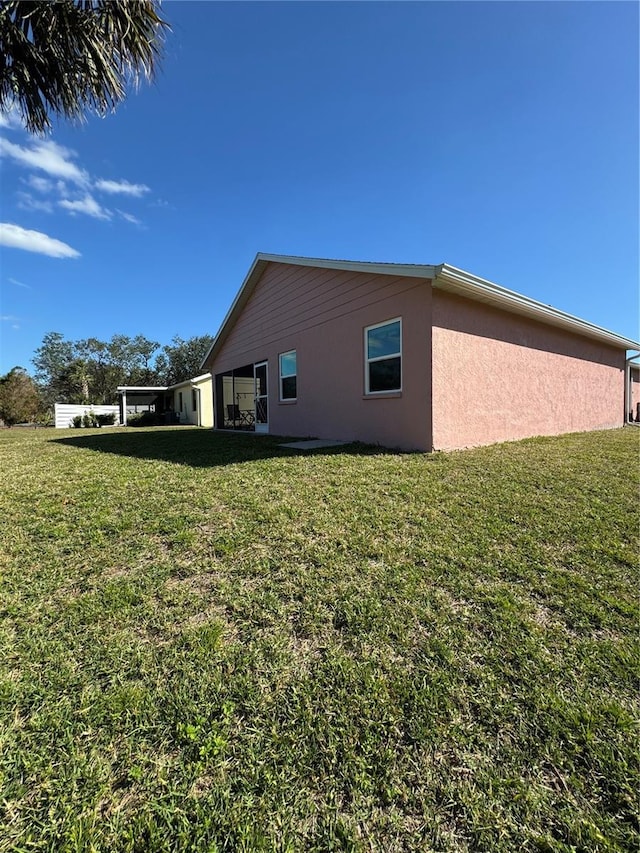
{"x": 288, "y": 375}
{"x": 383, "y": 357}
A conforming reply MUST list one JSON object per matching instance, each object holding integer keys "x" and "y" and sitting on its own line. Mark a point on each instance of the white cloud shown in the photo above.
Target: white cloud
{"x": 47, "y": 156}
{"x": 27, "y": 202}
{"x": 129, "y": 217}
{"x": 122, "y": 187}
{"x": 9, "y": 318}
{"x": 64, "y": 184}
{"x": 9, "y": 119}
{"x": 19, "y": 283}
{"x": 87, "y": 205}
{"x": 16, "y": 237}
{"x": 41, "y": 185}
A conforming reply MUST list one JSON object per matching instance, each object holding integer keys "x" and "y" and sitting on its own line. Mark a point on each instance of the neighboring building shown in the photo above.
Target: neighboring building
{"x": 192, "y": 400}
{"x": 413, "y": 357}
{"x": 140, "y": 399}
{"x": 188, "y": 402}
{"x": 634, "y": 392}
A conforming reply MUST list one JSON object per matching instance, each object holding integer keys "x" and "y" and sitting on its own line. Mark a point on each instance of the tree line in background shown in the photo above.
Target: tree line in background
{"x": 90, "y": 371}
{"x": 66, "y": 59}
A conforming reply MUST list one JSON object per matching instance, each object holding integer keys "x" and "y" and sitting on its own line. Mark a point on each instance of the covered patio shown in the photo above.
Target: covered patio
{"x": 241, "y": 398}
{"x": 135, "y": 399}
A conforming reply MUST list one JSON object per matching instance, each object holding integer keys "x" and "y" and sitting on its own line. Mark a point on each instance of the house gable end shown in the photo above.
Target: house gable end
{"x": 285, "y": 300}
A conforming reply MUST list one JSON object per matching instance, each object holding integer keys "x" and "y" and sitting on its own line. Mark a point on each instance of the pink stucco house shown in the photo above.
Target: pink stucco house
{"x": 633, "y": 396}
{"x": 408, "y": 356}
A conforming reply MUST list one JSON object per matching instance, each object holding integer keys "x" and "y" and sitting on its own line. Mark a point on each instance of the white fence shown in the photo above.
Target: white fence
{"x": 66, "y": 412}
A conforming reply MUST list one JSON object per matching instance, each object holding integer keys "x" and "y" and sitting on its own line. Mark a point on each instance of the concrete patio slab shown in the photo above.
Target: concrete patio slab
{"x": 313, "y": 444}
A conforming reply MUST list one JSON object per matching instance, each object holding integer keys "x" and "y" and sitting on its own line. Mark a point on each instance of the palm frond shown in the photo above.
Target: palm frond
{"x": 72, "y": 56}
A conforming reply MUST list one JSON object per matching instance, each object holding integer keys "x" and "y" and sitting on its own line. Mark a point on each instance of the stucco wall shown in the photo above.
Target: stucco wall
{"x": 188, "y": 414}
{"x": 499, "y": 377}
{"x": 206, "y": 402}
{"x": 634, "y": 395}
{"x": 322, "y": 315}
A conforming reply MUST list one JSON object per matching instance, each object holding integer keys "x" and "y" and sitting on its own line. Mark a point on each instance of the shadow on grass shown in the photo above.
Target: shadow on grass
{"x": 200, "y": 447}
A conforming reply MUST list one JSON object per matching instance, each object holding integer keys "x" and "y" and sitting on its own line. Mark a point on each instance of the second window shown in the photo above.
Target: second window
{"x": 383, "y": 357}
{"x": 288, "y": 375}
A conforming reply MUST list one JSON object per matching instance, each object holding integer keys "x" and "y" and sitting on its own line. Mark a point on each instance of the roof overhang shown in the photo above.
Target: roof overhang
{"x": 140, "y": 395}
{"x": 260, "y": 263}
{"x": 442, "y": 276}
{"x": 195, "y": 381}
{"x": 471, "y": 286}
{"x": 146, "y": 388}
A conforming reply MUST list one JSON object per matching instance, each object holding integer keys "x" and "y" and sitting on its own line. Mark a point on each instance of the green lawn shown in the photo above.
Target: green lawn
{"x": 208, "y": 643}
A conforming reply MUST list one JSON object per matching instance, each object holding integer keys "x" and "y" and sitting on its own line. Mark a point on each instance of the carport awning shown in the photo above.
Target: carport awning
{"x": 141, "y": 395}
{"x": 142, "y": 398}
{"x": 138, "y": 395}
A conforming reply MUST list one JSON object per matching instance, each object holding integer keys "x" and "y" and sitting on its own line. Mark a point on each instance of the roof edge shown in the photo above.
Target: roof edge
{"x": 444, "y": 276}
{"x": 189, "y": 381}
{"x": 147, "y": 388}
{"x": 466, "y": 284}
{"x": 263, "y": 258}
{"x": 410, "y": 270}
{"x": 251, "y": 277}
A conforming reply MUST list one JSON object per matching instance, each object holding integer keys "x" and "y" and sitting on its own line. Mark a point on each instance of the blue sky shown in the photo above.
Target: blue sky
{"x": 499, "y": 137}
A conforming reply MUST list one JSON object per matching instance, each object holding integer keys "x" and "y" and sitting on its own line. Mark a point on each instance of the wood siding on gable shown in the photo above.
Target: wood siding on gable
{"x": 293, "y": 300}
{"x": 322, "y": 314}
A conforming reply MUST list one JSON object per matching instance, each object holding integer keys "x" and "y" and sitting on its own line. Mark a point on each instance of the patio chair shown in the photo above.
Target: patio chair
{"x": 233, "y": 415}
